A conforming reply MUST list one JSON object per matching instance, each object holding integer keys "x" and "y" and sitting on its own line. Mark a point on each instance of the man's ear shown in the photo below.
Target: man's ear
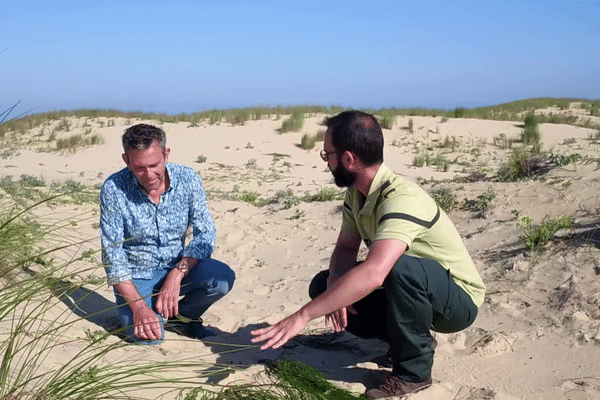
{"x": 125, "y": 158}
{"x": 166, "y": 153}
{"x": 349, "y": 161}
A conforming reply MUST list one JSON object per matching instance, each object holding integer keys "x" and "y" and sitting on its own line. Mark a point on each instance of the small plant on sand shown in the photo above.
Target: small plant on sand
{"x": 445, "y": 198}
{"x": 520, "y": 165}
{"x": 561, "y": 159}
{"x": 536, "y": 235}
{"x": 324, "y": 194}
{"x": 286, "y": 198}
{"x": 410, "y": 124}
{"x": 482, "y": 205}
{"x": 201, "y": 159}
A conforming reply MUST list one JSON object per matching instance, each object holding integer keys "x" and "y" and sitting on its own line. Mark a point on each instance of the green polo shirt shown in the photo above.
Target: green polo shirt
{"x": 399, "y": 209}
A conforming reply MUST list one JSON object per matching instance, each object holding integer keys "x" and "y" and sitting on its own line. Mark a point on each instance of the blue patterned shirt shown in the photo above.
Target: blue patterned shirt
{"x": 139, "y": 236}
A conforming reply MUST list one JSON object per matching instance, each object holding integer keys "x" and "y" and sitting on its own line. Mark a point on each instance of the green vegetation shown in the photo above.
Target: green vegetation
{"x": 324, "y": 194}
{"x": 293, "y": 124}
{"x": 74, "y": 141}
{"x": 481, "y": 206}
{"x": 33, "y": 279}
{"x": 282, "y": 380}
{"x": 387, "y": 120}
{"x": 308, "y": 141}
{"x": 512, "y": 111}
{"x": 536, "y": 235}
{"x": 201, "y": 159}
{"x": 531, "y": 134}
{"x": 521, "y": 164}
{"x": 445, "y": 198}
{"x": 561, "y": 159}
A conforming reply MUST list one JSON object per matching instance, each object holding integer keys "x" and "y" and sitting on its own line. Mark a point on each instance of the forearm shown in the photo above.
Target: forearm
{"x": 130, "y": 295}
{"x": 341, "y": 262}
{"x": 349, "y": 288}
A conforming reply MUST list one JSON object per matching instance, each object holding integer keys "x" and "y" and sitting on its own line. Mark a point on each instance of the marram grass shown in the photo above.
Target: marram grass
{"x": 36, "y": 327}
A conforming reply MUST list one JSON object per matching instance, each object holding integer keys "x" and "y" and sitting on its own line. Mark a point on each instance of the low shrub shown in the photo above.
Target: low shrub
{"x": 520, "y": 165}
{"x": 445, "y": 198}
{"x": 535, "y": 235}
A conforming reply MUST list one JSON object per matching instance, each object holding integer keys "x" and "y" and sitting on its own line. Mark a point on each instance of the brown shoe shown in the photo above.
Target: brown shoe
{"x": 395, "y": 386}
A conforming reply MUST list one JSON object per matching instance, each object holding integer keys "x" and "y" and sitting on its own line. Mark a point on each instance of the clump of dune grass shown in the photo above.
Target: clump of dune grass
{"x": 282, "y": 379}
{"x": 445, "y": 198}
{"x": 531, "y": 133}
{"x": 521, "y": 164}
{"x": 34, "y": 280}
{"x": 386, "y": 120}
{"x": 293, "y": 124}
{"x": 72, "y": 142}
{"x": 309, "y": 141}
{"x": 324, "y": 194}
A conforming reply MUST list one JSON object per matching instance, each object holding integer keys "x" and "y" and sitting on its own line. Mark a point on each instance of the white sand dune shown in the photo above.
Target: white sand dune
{"x": 538, "y": 333}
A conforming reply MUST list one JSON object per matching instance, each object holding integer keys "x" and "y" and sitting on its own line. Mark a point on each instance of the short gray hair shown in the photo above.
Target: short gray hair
{"x": 141, "y": 136}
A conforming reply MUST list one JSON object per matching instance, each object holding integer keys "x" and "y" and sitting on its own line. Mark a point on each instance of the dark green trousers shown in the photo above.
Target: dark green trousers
{"x": 417, "y": 295}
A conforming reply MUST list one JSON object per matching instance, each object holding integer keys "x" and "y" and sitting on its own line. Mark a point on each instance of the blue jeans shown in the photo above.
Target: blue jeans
{"x": 206, "y": 283}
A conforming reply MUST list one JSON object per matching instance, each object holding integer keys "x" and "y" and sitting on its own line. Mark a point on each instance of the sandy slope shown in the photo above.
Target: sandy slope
{"x": 538, "y": 332}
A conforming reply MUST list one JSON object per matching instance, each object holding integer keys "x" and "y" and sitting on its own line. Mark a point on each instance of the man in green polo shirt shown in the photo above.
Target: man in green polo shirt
{"x": 417, "y": 276}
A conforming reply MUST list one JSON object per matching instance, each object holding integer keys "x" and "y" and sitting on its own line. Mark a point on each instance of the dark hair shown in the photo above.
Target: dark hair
{"x": 357, "y": 132}
{"x": 141, "y": 136}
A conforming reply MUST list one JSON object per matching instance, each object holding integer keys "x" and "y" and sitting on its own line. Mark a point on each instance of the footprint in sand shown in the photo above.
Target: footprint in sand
{"x": 262, "y": 290}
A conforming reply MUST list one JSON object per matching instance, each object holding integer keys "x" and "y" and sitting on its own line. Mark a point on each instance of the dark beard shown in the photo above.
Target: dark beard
{"x": 342, "y": 177}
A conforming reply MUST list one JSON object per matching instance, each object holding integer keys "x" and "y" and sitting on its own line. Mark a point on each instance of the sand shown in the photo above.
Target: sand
{"x": 537, "y": 335}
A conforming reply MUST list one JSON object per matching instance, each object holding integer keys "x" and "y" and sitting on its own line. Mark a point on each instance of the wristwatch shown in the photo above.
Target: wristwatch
{"x": 182, "y": 266}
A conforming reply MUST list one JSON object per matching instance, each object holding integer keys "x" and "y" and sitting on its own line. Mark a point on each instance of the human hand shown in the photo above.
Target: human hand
{"x": 339, "y": 319}
{"x": 167, "y": 300}
{"x": 276, "y": 335}
{"x": 146, "y": 324}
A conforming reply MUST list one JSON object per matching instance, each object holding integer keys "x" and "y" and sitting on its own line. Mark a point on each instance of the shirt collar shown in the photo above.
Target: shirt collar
{"x": 379, "y": 182}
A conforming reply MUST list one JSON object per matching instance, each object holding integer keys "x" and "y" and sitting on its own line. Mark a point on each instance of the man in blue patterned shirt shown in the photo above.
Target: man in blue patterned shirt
{"x": 146, "y": 210}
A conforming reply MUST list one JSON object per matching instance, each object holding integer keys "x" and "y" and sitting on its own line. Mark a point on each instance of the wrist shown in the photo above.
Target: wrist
{"x": 182, "y": 266}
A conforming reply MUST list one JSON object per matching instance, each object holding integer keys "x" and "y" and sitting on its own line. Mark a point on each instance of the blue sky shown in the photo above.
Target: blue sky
{"x": 184, "y": 56}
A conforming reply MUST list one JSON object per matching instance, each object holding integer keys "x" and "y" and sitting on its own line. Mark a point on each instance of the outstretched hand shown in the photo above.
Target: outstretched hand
{"x": 276, "y": 335}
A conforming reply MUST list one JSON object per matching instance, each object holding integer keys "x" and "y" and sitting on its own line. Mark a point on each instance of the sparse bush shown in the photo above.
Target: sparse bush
{"x": 530, "y": 135}
{"x": 286, "y": 198}
{"x": 460, "y": 112}
{"x": 410, "y": 124}
{"x": 249, "y": 196}
{"x": 445, "y": 198}
{"x": 535, "y": 235}
{"x": 418, "y": 160}
{"x": 520, "y": 165}
{"x": 387, "y": 121}
{"x": 308, "y": 141}
{"x": 201, "y": 159}
{"x": 481, "y": 206}
{"x": 293, "y": 124}
{"x": 324, "y": 194}
{"x": 561, "y": 159}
